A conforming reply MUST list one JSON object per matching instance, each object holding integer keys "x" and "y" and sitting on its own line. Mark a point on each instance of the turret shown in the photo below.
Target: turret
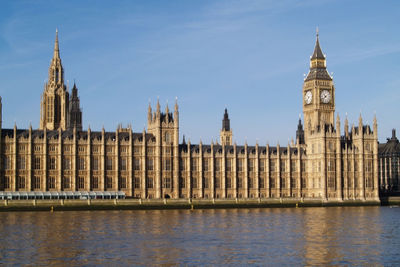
{"x": 300, "y": 133}
{"x": 226, "y": 132}
{"x": 75, "y": 113}
{"x": 55, "y": 97}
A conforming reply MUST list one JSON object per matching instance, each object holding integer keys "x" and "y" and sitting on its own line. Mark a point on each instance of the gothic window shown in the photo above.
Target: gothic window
{"x": 273, "y": 184}
{"x": 95, "y": 163}
{"x": 81, "y": 182}
{"x": 7, "y": 182}
{"x": 303, "y": 182}
{"x": 150, "y": 164}
{"x": 217, "y": 182}
{"x": 240, "y": 182}
{"x": 66, "y": 182}
{"x": 251, "y": 183}
{"x": 272, "y": 166}
{"x": 331, "y": 182}
{"x": 167, "y": 164}
{"x": 21, "y": 163}
{"x": 194, "y": 164}
{"x": 206, "y": 164}
{"x": 149, "y": 182}
{"x": 206, "y": 182}
{"x": 293, "y": 183}
{"x": 7, "y": 163}
{"x": 51, "y": 182}
{"x": 81, "y": 149}
{"x": 81, "y": 163}
{"x": 262, "y": 165}
{"x": 331, "y": 165}
{"x": 122, "y": 183}
{"x": 182, "y": 163}
{"x": 167, "y": 138}
{"x": 166, "y": 182}
{"x": 293, "y": 166}
{"x": 229, "y": 182}
{"x": 36, "y": 182}
{"x": 229, "y": 164}
{"x": 240, "y": 165}
{"x": 95, "y": 182}
{"x": 150, "y": 151}
{"x": 303, "y": 166}
{"x": 136, "y": 164}
{"x": 57, "y": 73}
{"x": 368, "y": 181}
{"x": 217, "y": 164}
{"x": 123, "y": 164}
{"x": 262, "y": 183}
{"x": 283, "y": 183}
{"x": 283, "y": 166}
{"x": 109, "y": 163}
{"x": 109, "y": 182}
{"x": 52, "y": 163}
{"x": 251, "y": 165}
{"x": 36, "y": 163}
{"x": 21, "y": 182}
{"x": 182, "y": 183}
{"x": 368, "y": 166}
{"x": 136, "y": 182}
{"x": 67, "y": 164}
{"x": 195, "y": 183}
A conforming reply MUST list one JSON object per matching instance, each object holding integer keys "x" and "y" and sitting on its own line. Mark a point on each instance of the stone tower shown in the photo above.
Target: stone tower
{"x": 165, "y": 128}
{"x": 318, "y": 93}
{"x": 226, "y": 132}
{"x": 54, "y": 109}
{"x": 75, "y": 113}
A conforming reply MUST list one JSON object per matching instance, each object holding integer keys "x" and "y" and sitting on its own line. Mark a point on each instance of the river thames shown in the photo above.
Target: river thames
{"x": 276, "y": 236}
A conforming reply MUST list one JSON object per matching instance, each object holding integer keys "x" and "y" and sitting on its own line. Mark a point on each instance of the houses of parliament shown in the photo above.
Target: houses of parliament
{"x": 322, "y": 163}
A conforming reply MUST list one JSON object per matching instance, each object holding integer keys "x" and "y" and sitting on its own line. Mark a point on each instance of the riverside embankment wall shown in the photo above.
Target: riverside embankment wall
{"x": 137, "y": 204}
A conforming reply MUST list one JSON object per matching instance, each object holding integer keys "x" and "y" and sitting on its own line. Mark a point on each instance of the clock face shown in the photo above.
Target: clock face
{"x": 325, "y": 96}
{"x": 308, "y": 97}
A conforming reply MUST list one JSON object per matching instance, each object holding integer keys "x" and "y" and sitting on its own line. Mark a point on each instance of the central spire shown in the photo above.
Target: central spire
{"x": 56, "y": 48}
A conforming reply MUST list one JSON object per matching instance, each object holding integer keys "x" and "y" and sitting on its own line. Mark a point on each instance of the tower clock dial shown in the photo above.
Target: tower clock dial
{"x": 308, "y": 97}
{"x": 325, "y": 96}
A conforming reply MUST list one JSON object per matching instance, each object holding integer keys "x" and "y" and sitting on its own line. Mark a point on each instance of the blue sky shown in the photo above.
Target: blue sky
{"x": 248, "y": 56}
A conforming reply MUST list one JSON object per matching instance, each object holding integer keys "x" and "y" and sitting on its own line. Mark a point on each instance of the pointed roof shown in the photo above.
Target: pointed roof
{"x": 225, "y": 122}
{"x": 56, "y": 47}
{"x": 318, "y": 71}
{"x": 317, "y": 50}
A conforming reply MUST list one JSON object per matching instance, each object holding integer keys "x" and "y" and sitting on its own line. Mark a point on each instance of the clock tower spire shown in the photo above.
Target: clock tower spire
{"x": 318, "y": 93}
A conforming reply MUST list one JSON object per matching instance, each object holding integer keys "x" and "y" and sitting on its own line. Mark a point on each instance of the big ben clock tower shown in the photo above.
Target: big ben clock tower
{"x": 318, "y": 93}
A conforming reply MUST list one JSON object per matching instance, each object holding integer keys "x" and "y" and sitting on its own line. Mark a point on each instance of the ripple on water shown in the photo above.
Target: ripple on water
{"x": 306, "y": 236}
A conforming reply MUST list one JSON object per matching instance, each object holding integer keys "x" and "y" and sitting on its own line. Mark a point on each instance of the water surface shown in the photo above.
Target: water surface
{"x": 276, "y": 236}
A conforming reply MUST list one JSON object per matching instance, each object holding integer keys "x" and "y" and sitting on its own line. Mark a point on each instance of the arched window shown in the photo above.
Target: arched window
{"x": 57, "y": 73}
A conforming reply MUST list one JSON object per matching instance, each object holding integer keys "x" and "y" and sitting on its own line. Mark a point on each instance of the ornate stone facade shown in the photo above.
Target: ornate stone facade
{"x": 321, "y": 163}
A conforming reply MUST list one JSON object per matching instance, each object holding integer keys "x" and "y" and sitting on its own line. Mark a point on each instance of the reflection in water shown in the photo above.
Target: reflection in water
{"x": 305, "y": 236}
